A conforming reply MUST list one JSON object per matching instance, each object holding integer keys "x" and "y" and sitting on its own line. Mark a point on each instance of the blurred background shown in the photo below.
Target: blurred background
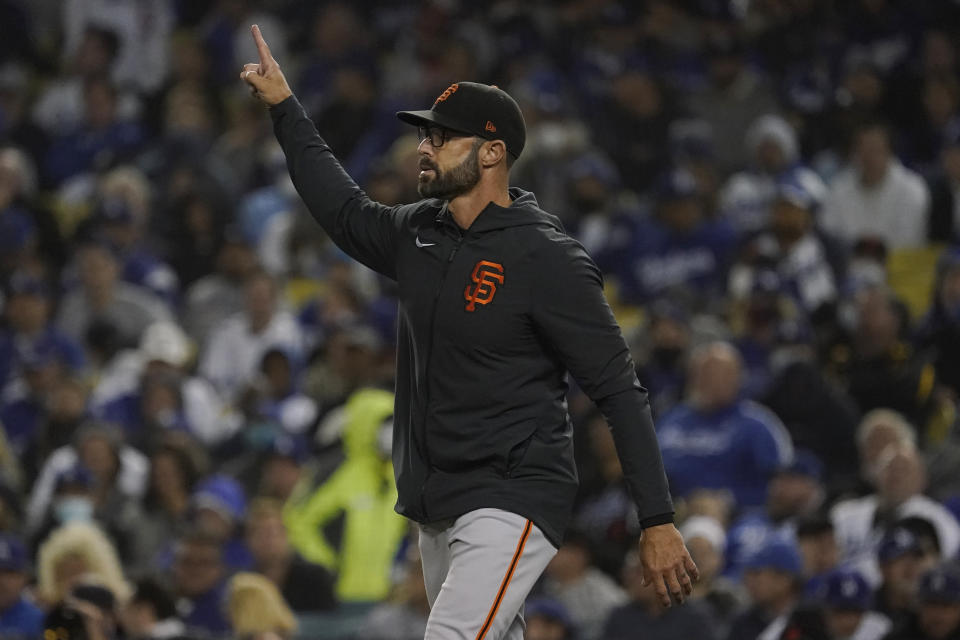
{"x": 196, "y": 385}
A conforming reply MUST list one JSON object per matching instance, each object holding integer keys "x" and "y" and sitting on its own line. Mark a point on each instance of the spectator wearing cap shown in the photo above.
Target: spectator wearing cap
{"x": 121, "y": 218}
{"x": 679, "y": 249}
{"x": 103, "y": 296}
{"x": 716, "y": 440}
{"x": 585, "y": 591}
{"x": 88, "y": 612}
{"x": 149, "y": 391}
{"x": 722, "y": 598}
{"x": 218, "y": 507}
{"x": 747, "y": 196}
{"x": 199, "y": 582}
{"x": 284, "y": 467}
{"x": 28, "y": 329}
{"x": 900, "y": 477}
{"x": 151, "y": 613}
{"x": 216, "y": 296}
{"x": 945, "y": 189}
{"x": 902, "y": 561}
{"x": 306, "y": 587}
{"x": 547, "y": 619}
{"x": 817, "y": 542}
{"x": 789, "y": 245}
{"x": 876, "y": 195}
{"x": 19, "y": 616}
{"x": 795, "y": 490}
{"x": 646, "y": 615}
{"x": 23, "y": 402}
{"x": 938, "y": 613}
{"x": 237, "y": 345}
{"x": 846, "y": 599}
{"x": 773, "y": 577}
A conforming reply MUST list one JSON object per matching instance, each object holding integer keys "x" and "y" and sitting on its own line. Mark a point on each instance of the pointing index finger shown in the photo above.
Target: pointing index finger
{"x": 265, "y": 56}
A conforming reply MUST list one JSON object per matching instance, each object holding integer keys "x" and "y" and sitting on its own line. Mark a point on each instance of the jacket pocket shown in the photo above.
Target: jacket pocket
{"x": 517, "y": 453}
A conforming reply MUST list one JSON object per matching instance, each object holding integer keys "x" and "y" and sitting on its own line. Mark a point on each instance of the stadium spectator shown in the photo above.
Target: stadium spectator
{"x": 938, "y": 614}
{"x": 899, "y": 480}
{"x": 715, "y": 440}
{"x": 795, "y": 491}
{"x": 773, "y": 579}
{"x": 586, "y": 593}
{"x": 199, "y": 580}
{"x": 847, "y": 600}
{"x": 103, "y": 296}
{"x": 680, "y": 249}
{"x": 876, "y": 195}
{"x": 940, "y": 329}
{"x": 19, "y": 615}
{"x": 403, "y": 616}
{"x": 943, "y": 184}
{"x": 902, "y": 561}
{"x": 347, "y": 523}
{"x": 217, "y": 296}
{"x": 237, "y": 345}
{"x": 547, "y": 620}
{"x": 151, "y": 613}
{"x": 306, "y": 587}
{"x": 722, "y": 598}
{"x": 217, "y": 509}
{"x": 76, "y": 553}
{"x": 644, "y": 611}
{"x": 746, "y": 198}
{"x": 256, "y": 607}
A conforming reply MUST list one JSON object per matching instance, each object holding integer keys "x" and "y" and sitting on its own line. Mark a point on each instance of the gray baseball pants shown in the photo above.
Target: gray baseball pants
{"x": 478, "y": 570}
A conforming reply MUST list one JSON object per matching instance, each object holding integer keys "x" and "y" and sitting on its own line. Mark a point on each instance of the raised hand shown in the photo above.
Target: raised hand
{"x": 266, "y": 80}
{"x": 667, "y": 563}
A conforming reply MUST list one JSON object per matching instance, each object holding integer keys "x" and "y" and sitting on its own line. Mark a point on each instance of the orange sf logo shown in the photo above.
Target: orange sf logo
{"x": 490, "y": 127}
{"x": 452, "y": 89}
{"x": 487, "y": 275}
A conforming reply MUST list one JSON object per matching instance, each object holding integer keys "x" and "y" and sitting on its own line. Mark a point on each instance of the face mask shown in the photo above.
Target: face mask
{"x": 73, "y": 509}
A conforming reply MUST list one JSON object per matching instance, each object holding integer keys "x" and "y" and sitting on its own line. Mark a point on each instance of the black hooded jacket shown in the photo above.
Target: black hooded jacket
{"x": 490, "y": 320}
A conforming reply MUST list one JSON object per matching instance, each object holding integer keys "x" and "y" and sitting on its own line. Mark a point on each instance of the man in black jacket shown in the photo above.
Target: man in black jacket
{"x": 496, "y": 304}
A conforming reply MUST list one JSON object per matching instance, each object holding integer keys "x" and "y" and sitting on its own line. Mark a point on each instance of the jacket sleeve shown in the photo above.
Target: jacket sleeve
{"x": 571, "y": 312}
{"x": 365, "y": 230}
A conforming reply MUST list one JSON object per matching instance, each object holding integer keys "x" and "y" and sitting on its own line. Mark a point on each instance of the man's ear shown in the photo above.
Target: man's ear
{"x": 492, "y": 152}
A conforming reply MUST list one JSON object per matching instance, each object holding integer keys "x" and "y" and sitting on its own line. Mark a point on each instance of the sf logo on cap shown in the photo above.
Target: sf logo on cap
{"x": 486, "y": 276}
{"x": 452, "y": 89}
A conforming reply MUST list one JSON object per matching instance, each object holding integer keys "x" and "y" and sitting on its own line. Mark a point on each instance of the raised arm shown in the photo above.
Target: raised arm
{"x": 366, "y": 230}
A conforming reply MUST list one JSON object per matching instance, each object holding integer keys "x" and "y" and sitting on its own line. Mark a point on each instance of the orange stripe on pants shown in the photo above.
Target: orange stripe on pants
{"x": 506, "y": 581}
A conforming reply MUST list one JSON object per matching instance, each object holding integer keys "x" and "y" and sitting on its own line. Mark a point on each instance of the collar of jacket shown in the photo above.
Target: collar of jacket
{"x": 524, "y": 210}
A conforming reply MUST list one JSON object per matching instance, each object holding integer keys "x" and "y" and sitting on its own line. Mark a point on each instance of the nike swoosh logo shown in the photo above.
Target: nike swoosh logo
{"x": 421, "y": 245}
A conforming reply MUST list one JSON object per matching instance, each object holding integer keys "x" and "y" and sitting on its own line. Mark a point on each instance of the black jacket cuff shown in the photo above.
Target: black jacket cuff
{"x": 660, "y": 518}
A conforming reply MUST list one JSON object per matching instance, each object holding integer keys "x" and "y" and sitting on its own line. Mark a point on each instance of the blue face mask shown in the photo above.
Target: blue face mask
{"x": 73, "y": 509}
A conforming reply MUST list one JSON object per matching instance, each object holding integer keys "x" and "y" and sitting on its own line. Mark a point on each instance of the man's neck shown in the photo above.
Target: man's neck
{"x": 466, "y": 208}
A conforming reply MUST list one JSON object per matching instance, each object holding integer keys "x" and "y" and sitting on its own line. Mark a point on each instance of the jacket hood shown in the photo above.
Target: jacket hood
{"x": 524, "y": 210}
{"x": 366, "y": 411}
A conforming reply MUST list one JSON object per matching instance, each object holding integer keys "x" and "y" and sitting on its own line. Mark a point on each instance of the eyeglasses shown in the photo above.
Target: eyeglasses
{"x": 438, "y": 135}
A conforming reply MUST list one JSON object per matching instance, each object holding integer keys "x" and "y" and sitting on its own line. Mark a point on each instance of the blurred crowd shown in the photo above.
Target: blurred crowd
{"x": 196, "y": 385}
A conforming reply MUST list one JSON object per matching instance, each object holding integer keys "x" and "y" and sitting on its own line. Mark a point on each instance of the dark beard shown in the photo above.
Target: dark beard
{"x": 455, "y": 182}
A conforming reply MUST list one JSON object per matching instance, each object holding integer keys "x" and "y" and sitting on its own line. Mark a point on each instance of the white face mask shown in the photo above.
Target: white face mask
{"x": 73, "y": 509}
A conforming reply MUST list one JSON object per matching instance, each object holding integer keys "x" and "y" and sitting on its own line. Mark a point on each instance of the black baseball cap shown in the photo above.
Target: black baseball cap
{"x": 482, "y": 110}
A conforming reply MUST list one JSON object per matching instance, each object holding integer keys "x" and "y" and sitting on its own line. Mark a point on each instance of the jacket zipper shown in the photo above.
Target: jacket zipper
{"x": 426, "y": 373}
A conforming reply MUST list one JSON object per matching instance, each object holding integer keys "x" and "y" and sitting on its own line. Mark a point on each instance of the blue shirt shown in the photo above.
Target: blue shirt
{"x": 24, "y": 619}
{"x": 737, "y": 448}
